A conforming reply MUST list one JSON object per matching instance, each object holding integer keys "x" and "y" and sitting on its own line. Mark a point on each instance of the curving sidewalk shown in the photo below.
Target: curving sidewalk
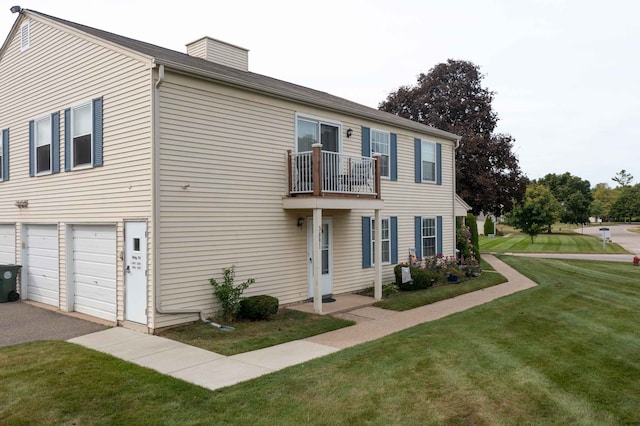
{"x": 214, "y": 371}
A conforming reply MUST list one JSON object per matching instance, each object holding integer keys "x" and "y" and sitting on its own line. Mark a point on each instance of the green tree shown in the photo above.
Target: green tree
{"x": 623, "y": 178}
{"x": 538, "y": 209}
{"x": 475, "y": 240}
{"x": 603, "y": 198}
{"x": 488, "y": 226}
{"x": 574, "y": 195}
{"x": 627, "y": 205}
{"x": 451, "y": 97}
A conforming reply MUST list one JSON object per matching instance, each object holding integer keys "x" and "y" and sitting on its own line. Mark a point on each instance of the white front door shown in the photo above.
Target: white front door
{"x": 326, "y": 250}
{"x": 135, "y": 271}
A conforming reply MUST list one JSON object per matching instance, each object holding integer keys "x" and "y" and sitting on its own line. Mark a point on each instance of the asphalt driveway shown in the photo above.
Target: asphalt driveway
{"x": 21, "y": 322}
{"x": 619, "y": 234}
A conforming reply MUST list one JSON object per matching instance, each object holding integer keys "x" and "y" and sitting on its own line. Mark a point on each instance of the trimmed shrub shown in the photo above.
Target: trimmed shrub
{"x": 421, "y": 278}
{"x": 488, "y": 226}
{"x": 257, "y": 308}
{"x": 473, "y": 227}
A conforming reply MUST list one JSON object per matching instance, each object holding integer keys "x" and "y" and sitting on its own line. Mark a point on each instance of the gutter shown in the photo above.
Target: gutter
{"x": 157, "y": 294}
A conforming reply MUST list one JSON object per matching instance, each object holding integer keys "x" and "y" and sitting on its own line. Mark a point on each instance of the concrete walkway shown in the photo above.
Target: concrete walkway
{"x": 214, "y": 371}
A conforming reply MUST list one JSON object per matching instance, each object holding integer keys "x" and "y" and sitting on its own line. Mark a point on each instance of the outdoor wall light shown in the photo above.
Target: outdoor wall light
{"x": 300, "y": 222}
{"x": 349, "y": 133}
{"x": 22, "y": 204}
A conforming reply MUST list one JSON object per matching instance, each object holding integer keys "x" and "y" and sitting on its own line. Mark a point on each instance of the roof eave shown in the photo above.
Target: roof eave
{"x": 393, "y": 120}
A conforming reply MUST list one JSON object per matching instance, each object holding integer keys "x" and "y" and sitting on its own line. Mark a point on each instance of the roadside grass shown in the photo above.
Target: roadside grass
{"x": 569, "y": 242}
{"x": 564, "y": 352}
{"x": 636, "y": 230}
{"x": 405, "y": 300}
{"x": 286, "y": 326}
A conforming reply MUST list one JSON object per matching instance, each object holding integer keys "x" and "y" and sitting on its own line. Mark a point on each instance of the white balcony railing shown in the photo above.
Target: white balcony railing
{"x": 337, "y": 173}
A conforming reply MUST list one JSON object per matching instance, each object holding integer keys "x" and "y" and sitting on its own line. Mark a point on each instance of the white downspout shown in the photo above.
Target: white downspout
{"x": 156, "y": 205}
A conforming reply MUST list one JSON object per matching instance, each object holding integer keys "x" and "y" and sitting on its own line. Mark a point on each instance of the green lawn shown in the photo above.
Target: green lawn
{"x": 406, "y": 300}
{"x": 548, "y": 243}
{"x": 286, "y": 326}
{"x": 564, "y": 352}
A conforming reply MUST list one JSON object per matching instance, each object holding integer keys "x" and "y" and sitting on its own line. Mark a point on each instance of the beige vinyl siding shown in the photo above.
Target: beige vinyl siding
{"x": 58, "y": 71}
{"x": 222, "y": 179}
{"x": 220, "y": 52}
{"x": 231, "y": 154}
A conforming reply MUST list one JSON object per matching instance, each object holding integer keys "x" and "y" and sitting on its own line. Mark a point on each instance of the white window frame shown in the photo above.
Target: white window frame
{"x": 34, "y": 154}
{"x": 318, "y": 121}
{"x": 422, "y": 160}
{"x": 25, "y": 42}
{"x": 382, "y": 154}
{"x": 423, "y": 237}
{"x": 73, "y": 136}
{"x": 384, "y": 240}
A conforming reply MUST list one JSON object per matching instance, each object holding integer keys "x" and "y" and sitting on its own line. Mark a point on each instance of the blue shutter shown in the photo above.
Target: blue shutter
{"x": 97, "y": 132}
{"x": 417, "y": 143}
{"x": 67, "y": 140}
{"x": 439, "y": 234}
{"x": 418, "y": 234}
{"x": 55, "y": 142}
{"x": 31, "y": 148}
{"x": 439, "y": 163}
{"x": 366, "y": 242}
{"x": 394, "y": 239}
{"x": 393, "y": 156}
{"x": 5, "y": 154}
{"x": 366, "y": 142}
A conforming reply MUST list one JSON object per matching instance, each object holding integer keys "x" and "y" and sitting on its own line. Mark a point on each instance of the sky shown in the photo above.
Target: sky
{"x": 566, "y": 73}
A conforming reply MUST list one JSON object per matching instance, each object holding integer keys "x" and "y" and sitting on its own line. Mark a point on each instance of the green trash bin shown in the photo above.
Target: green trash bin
{"x": 8, "y": 283}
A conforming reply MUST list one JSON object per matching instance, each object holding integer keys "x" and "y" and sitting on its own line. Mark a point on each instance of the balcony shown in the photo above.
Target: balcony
{"x": 325, "y": 179}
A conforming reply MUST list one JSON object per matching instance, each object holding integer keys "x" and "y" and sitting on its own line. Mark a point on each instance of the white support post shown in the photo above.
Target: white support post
{"x": 377, "y": 286}
{"x": 317, "y": 261}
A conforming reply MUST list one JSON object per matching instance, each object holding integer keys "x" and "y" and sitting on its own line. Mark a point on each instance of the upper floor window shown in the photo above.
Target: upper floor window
{"x": 428, "y": 159}
{"x": 81, "y": 137}
{"x": 310, "y": 131}
{"x": 380, "y": 145}
{"x": 43, "y": 145}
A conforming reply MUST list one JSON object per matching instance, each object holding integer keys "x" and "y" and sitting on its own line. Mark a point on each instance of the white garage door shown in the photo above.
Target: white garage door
{"x": 7, "y": 244}
{"x": 41, "y": 261}
{"x": 94, "y": 270}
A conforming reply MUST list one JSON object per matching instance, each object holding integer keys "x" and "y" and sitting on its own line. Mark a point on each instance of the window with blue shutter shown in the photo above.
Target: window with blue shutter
{"x": 394, "y": 158}
{"x": 31, "y": 147}
{"x": 67, "y": 140}
{"x": 417, "y": 221}
{"x": 366, "y": 242}
{"x": 428, "y": 161}
{"x": 366, "y": 142}
{"x": 4, "y": 161}
{"x": 439, "y": 233}
{"x": 394, "y": 239}
{"x": 55, "y": 142}
{"x": 83, "y": 136}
